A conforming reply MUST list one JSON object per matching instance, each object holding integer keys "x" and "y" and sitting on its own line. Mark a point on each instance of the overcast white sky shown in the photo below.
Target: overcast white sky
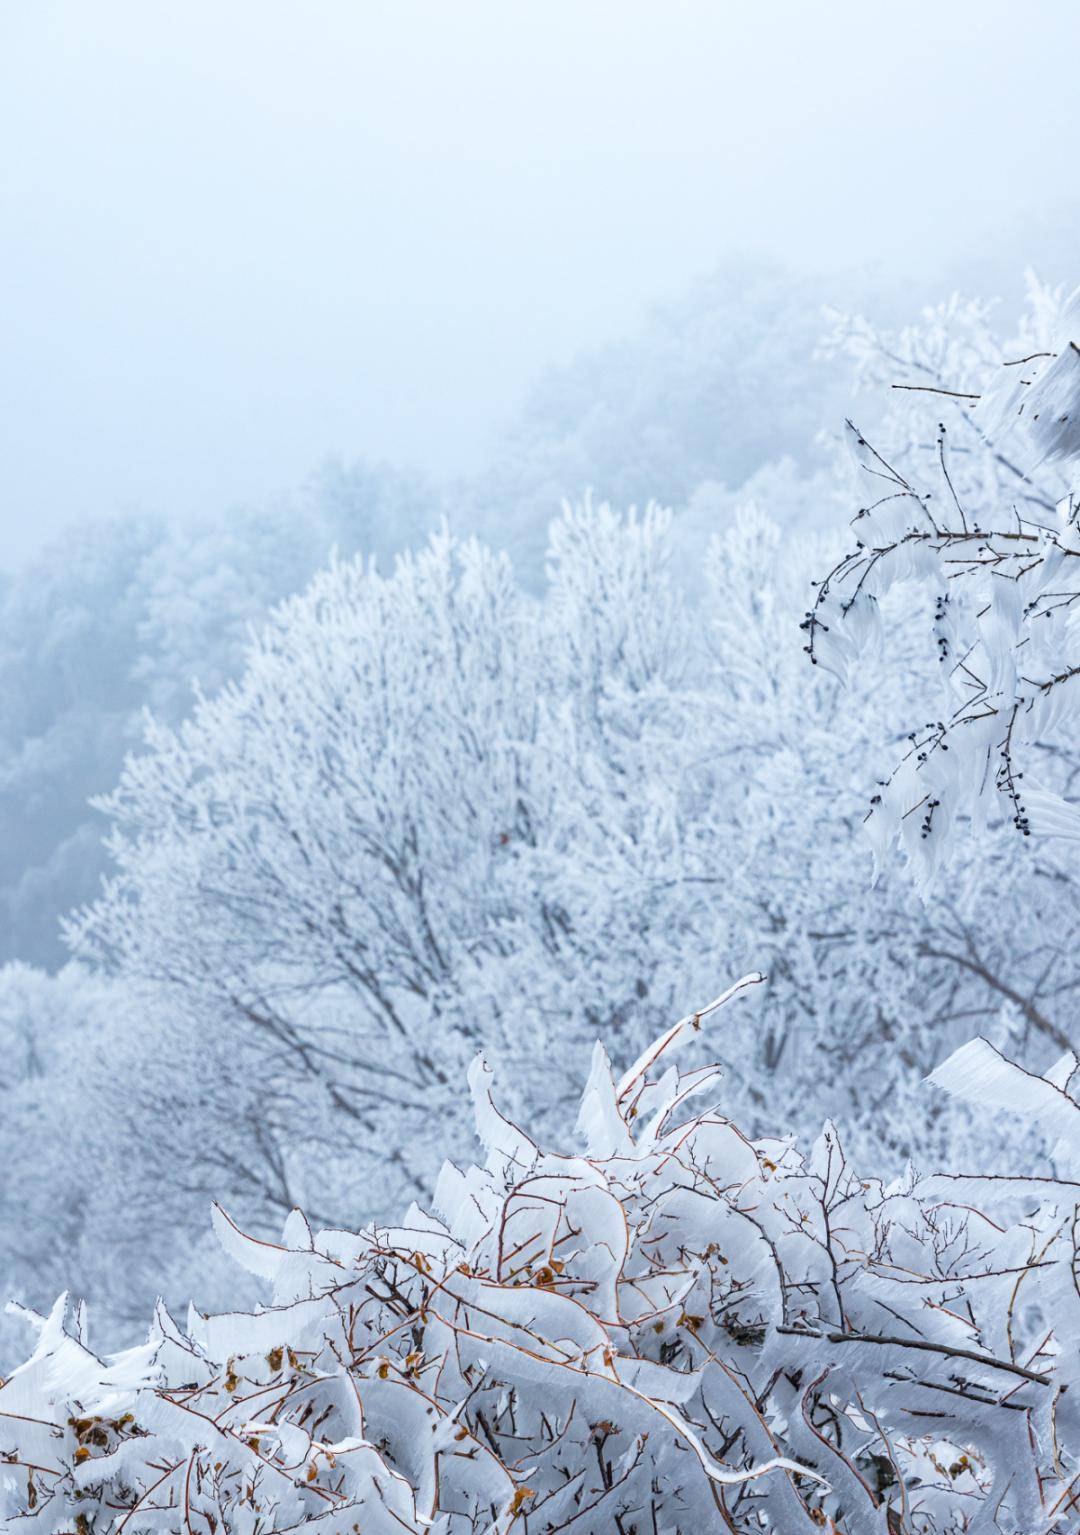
{"x": 237, "y": 235}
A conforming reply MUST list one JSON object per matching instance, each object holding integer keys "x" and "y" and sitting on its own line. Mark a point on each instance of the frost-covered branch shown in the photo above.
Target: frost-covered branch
{"x": 677, "y": 1329}
{"x": 1002, "y": 579}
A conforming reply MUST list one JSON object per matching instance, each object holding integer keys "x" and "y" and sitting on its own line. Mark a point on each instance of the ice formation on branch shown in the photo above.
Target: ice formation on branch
{"x": 677, "y": 1330}
{"x": 1003, "y": 577}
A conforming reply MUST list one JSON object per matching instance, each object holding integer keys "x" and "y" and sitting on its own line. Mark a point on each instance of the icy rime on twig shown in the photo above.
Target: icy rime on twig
{"x": 680, "y": 1330}
{"x": 1005, "y": 585}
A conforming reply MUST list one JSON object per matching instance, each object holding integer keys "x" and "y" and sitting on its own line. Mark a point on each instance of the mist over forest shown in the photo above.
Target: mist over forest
{"x": 485, "y": 616}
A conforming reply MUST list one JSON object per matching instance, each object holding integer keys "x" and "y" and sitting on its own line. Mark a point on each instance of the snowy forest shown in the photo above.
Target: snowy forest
{"x": 458, "y": 803}
{"x": 540, "y": 999}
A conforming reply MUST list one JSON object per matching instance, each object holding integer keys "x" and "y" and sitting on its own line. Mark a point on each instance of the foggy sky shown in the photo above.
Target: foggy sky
{"x": 235, "y": 236}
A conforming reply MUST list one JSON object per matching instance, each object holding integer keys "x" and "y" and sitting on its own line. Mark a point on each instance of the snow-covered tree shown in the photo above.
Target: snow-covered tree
{"x": 358, "y": 858}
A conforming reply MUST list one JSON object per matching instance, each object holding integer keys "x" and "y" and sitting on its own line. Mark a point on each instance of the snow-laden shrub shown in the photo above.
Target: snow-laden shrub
{"x": 678, "y": 1330}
